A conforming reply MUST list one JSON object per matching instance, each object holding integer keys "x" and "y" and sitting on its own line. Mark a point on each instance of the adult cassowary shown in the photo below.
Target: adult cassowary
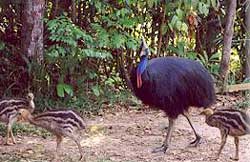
{"x": 173, "y": 85}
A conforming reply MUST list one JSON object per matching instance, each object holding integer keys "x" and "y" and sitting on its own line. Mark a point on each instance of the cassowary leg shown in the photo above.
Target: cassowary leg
{"x": 236, "y": 142}
{"x": 197, "y": 136}
{"x": 167, "y": 141}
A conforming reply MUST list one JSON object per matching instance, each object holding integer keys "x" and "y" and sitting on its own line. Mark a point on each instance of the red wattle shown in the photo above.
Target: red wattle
{"x": 139, "y": 81}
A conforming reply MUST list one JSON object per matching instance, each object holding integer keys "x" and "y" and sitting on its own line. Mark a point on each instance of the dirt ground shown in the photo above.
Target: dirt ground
{"x": 130, "y": 136}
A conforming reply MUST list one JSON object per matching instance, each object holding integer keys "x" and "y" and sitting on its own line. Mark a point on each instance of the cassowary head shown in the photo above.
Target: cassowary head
{"x": 144, "y": 50}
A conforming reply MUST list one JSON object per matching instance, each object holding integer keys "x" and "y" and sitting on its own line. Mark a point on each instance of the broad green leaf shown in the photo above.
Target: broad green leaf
{"x": 2, "y": 45}
{"x": 68, "y": 89}
{"x": 174, "y": 20}
{"x": 179, "y": 13}
{"x": 117, "y": 40}
{"x": 131, "y": 44}
{"x": 93, "y": 75}
{"x": 203, "y": 8}
{"x": 178, "y": 25}
{"x": 213, "y": 3}
{"x": 184, "y": 27}
{"x": 192, "y": 55}
{"x": 215, "y": 57}
{"x": 93, "y": 53}
{"x": 60, "y": 90}
{"x": 127, "y": 22}
{"x": 96, "y": 90}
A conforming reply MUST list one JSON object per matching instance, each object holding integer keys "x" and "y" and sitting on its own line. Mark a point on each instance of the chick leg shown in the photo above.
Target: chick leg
{"x": 59, "y": 140}
{"x": 223, "y": 142}
{"x": 8, "y": 135}
{"x": 11, "y": 132}
{"x": 236, "y": 141}
{"x": 167, "y": 141}
{"x": 12, "y": 120}
{"x": 76, "y": 139}
{"x": 197, "y": 136}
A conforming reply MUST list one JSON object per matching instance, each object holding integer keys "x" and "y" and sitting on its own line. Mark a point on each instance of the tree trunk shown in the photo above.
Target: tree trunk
{"x": 213, "y": 27}
{"x": 247, "y": 46}
{"x": 227, "y": 40}
{"x": 32, "y": 29}
{"x": 160, "y": 35}
{"x": 73, "y": 6}
{"x": 54, "y": 11}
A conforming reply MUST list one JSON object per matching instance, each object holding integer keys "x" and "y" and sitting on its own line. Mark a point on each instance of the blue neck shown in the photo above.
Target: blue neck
{"x": 142, "y": 65}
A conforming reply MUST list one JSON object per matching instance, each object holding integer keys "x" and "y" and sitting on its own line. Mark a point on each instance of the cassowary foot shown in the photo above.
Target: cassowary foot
{"x": 234, "y": 158}
{"x": 13, "y": 141}
{"x": 195, "y": 142}
{"x": 162, "y": 148}
{"x": 82, "y": 158}
{"x": 8, "y": 143}
{"x": 215, "y": 158}
{"x": 56, "y": 160}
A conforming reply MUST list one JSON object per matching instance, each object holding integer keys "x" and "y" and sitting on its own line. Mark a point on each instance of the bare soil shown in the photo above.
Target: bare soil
{"x": 130, "y": 136}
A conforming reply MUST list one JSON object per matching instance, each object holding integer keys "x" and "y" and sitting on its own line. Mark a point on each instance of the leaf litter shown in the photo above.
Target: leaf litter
{"x": 130, "y": 136}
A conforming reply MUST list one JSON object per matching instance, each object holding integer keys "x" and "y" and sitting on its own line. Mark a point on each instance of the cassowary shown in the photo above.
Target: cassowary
{"x": 173, "y": 85}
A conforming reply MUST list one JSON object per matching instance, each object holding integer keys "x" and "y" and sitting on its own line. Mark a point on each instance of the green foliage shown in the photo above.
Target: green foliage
{"x": 72, "y": 45}
{"x": 96, "y": 90}
{"x": 211, "y": 63}
{"x": 63, "y": 88}
{"x": 177, "y": 24}
{"x": 245, "y": 104}
{"x": 2, "y": 45}
{"x": 24, "y": 129}
{"x": 181, "y": 50}
{"x": 72, "y": 41}
{"x": 82, "y": 65}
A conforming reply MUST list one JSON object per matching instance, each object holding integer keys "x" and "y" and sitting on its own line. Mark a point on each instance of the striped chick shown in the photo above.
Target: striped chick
{"x": 62, "y": 123}
{"x": 9, "y": 112}
{"x": 230, "y": 122}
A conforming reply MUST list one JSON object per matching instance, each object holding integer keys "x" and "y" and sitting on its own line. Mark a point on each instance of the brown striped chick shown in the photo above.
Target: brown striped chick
{"x": 9, "y": 113}
{"x": 62, "y": 123}
{"x": 230, "y": 122}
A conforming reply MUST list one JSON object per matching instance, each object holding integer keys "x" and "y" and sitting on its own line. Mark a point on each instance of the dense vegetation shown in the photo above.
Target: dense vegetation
{"x": 90, "y": 46}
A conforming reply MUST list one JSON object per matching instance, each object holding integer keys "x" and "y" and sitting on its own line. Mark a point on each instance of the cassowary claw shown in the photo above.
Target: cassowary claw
{"x": 82, "y": 158}
{"x": 195, "y": 142}
{"x": 162, "y": 148}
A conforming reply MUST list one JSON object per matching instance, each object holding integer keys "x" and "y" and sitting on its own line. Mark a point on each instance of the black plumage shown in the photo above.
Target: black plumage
{"x": 173, "y": 85}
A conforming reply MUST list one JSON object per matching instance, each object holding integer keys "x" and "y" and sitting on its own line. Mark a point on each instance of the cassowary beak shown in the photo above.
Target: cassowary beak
{"x": 207, "y": 112}
{"x": 144, "y": 50}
